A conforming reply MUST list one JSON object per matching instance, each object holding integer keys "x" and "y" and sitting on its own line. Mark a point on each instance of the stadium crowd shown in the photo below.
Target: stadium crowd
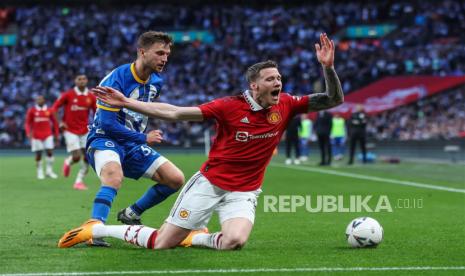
{"x": 56, "y": 43}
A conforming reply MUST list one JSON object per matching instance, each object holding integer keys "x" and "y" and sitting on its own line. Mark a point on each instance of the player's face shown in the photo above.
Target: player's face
{"x": 156, "y": 56}
{"x": 40, "y": 100}
{"x": 81, "y": 81}
{"x": 268, "y": 86}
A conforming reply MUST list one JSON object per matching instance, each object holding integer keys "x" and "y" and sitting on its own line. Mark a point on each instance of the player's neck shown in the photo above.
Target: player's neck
{"x": 142, "y": 72}
{"x": 259, "y": 101}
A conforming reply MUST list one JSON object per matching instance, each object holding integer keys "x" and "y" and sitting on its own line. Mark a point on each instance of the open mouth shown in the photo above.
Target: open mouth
{"x": 275, "y": 94}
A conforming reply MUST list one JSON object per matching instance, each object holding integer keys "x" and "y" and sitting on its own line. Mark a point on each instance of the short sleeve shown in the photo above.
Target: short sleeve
{"x": 213, "y": 109}
{"x": 298, "y": 104}
{"x": 111, "y": 80}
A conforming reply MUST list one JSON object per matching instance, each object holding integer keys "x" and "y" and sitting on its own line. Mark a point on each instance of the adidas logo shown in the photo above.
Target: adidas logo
{"x": 245, "y": 120}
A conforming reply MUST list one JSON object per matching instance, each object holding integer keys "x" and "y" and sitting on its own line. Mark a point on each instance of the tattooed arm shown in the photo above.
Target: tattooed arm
{"x": 333, "y": 95}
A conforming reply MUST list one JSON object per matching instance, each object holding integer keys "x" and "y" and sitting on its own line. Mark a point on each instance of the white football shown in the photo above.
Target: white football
{"x": 364, "y": 232}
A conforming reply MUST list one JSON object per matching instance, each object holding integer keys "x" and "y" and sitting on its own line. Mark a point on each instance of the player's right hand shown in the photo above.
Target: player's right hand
{"x": 63, "y": 126}
{"x": 109, "y": 96}
{"x": 154, "y": 137}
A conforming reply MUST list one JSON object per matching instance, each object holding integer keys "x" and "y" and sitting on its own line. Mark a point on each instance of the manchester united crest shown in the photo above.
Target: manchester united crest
{"x": 274, "y": 117}
{"x": 183, "y": 213}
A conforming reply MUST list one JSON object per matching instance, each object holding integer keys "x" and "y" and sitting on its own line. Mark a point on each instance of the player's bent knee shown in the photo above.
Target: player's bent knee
{"x": 112, "y": 175}
{"x": 177, "y": 181}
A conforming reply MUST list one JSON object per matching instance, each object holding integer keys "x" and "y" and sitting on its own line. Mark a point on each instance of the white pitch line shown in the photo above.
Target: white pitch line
{"x": 240, "y": 270}
{"x": 373, "y": 178}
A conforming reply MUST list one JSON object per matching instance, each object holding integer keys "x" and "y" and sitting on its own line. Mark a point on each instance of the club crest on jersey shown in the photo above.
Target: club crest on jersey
{"x": 47, "y": 113}
{"x": 184, "y": 214}
{"x": 109, "y": 144}
{"x": 274, "y": 117}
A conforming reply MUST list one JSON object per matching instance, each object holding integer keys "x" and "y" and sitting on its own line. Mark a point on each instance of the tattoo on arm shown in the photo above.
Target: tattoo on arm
{"x": 333, "y": 95}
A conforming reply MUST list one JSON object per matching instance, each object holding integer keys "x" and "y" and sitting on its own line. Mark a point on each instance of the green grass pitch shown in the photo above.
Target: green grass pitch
{"x": 34, "y": 214}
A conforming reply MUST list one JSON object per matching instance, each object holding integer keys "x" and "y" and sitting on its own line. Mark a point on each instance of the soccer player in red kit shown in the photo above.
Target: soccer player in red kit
{"x": 249, "y": 127}
{"x": 38, "y": 125}
{"x": 77, "y": 103}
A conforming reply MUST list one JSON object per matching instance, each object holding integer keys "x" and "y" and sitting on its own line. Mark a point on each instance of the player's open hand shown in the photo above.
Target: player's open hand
{"x": 109, "y": 96}
{"x": 154, "y": 137}
{"x": 325, "y": 51}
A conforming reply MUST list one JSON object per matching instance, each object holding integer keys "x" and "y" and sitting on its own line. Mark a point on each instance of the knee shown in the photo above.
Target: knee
{"x": 176, "y": 181}
{"x": 76, "y": 157}
{"x": 112, "y": 176}
{"x": 233, "y": 242}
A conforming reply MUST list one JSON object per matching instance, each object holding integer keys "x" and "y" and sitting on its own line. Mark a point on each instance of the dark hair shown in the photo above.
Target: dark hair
{"x": 147, "y": 39}
{"x": 254, "y": 71}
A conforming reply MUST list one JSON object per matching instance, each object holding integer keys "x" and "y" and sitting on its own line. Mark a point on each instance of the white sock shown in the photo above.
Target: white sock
{"x": 139, "y": 235}
{"x": 40, "y": 166}
{"x": 208, "y": 240}
{"x": 69, "y": 160}
{"x": 49, "y": 163}
{"x": 82, "y": 172}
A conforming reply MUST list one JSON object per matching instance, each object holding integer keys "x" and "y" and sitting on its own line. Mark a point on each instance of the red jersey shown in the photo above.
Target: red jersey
{"x": 38, "y": 121}
{"x": 77, "y": 106}
{"x": 246, "y": 136}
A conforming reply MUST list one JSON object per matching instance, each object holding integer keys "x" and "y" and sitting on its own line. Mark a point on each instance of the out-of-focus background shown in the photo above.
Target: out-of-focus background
{"x": 404, "y": 60}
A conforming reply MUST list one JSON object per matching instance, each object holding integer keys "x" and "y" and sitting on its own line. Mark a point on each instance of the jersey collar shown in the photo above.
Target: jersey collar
{"x": 136, "y": 77}
{"x": 252, "y": 103}
{"x": 79, "y": 92}
{"x": 43, "y": 108}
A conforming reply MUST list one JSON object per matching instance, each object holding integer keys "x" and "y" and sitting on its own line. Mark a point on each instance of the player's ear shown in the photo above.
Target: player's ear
{"x": 253, "y": 85}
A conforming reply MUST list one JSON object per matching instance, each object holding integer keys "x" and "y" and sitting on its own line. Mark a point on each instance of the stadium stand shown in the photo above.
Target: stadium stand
{"x": 54, "y": 43}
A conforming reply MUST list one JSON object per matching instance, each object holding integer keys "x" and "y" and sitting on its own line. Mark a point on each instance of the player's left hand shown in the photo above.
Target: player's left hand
{"x": 154, "y": 137}
{"x": 325, "y": 51}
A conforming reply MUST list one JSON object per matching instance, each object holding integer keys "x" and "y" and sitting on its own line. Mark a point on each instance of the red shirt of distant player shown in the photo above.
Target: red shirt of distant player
{"x": 77, "y": 108}
{"x": 246, "y": 136}
{"x": 38, "y": 122}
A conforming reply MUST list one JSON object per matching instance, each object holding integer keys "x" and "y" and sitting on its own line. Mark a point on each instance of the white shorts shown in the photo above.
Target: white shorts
{"x": 199, "y": 198}
{"x": 74, "y": 141}
{"x": 38, "y": 145}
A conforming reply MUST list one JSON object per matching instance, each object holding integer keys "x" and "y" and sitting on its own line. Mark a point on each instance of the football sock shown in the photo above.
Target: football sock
{"x": 69, "y": 160}
{"x": 40, "y": 165}
{"x": 139, "y": 235}
{"x": 153, "y": 196}
{"x": 83, "y": 171}
{"x": 102, "y": 203}
{"x": 208, "y": 240}
{"x": 49, "y": 163}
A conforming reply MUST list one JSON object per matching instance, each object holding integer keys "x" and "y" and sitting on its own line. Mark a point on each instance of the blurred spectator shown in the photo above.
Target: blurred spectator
{"x": 54, "y": 43}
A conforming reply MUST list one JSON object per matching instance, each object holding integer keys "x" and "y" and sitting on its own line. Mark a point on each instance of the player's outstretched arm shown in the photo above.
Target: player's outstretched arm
{"x": 161, "y": 111}
{"x": 333, "y": 95}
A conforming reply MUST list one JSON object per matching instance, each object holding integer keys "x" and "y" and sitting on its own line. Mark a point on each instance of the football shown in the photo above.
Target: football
{"x": 364, "y": 232}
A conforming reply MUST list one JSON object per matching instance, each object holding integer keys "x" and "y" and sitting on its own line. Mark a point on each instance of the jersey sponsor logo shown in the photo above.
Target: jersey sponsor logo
{"x": 244, "y": 136}
{"x": 245, "y": 120}
{"x": 184, "y": 214}
{"x": 273, "y": 117}
{"x": 41, "y": 119}
{"x": 75, "y": 107}
{"x": 109, "y": 144}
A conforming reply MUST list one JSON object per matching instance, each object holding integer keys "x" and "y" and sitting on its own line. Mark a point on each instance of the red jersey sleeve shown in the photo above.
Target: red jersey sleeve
{"x": 59, "y": 102}
{"x": 94, "y": 103}
{"x": 56, "y": 129}
{"x": 28, "y": 123}
{"x": 213, "y": 109}
{"x": 298, "y": 104}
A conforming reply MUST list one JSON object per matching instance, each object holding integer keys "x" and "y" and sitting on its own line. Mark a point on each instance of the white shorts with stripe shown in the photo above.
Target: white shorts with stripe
{"x": 199, "y": 198}
{"x": 74, "y": 141}
{"x": 38, "y": 145}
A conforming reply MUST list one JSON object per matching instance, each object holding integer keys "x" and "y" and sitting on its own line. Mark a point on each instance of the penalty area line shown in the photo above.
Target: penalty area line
{"x": 243, "y": 270}
{"x": 373, "y": 178}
